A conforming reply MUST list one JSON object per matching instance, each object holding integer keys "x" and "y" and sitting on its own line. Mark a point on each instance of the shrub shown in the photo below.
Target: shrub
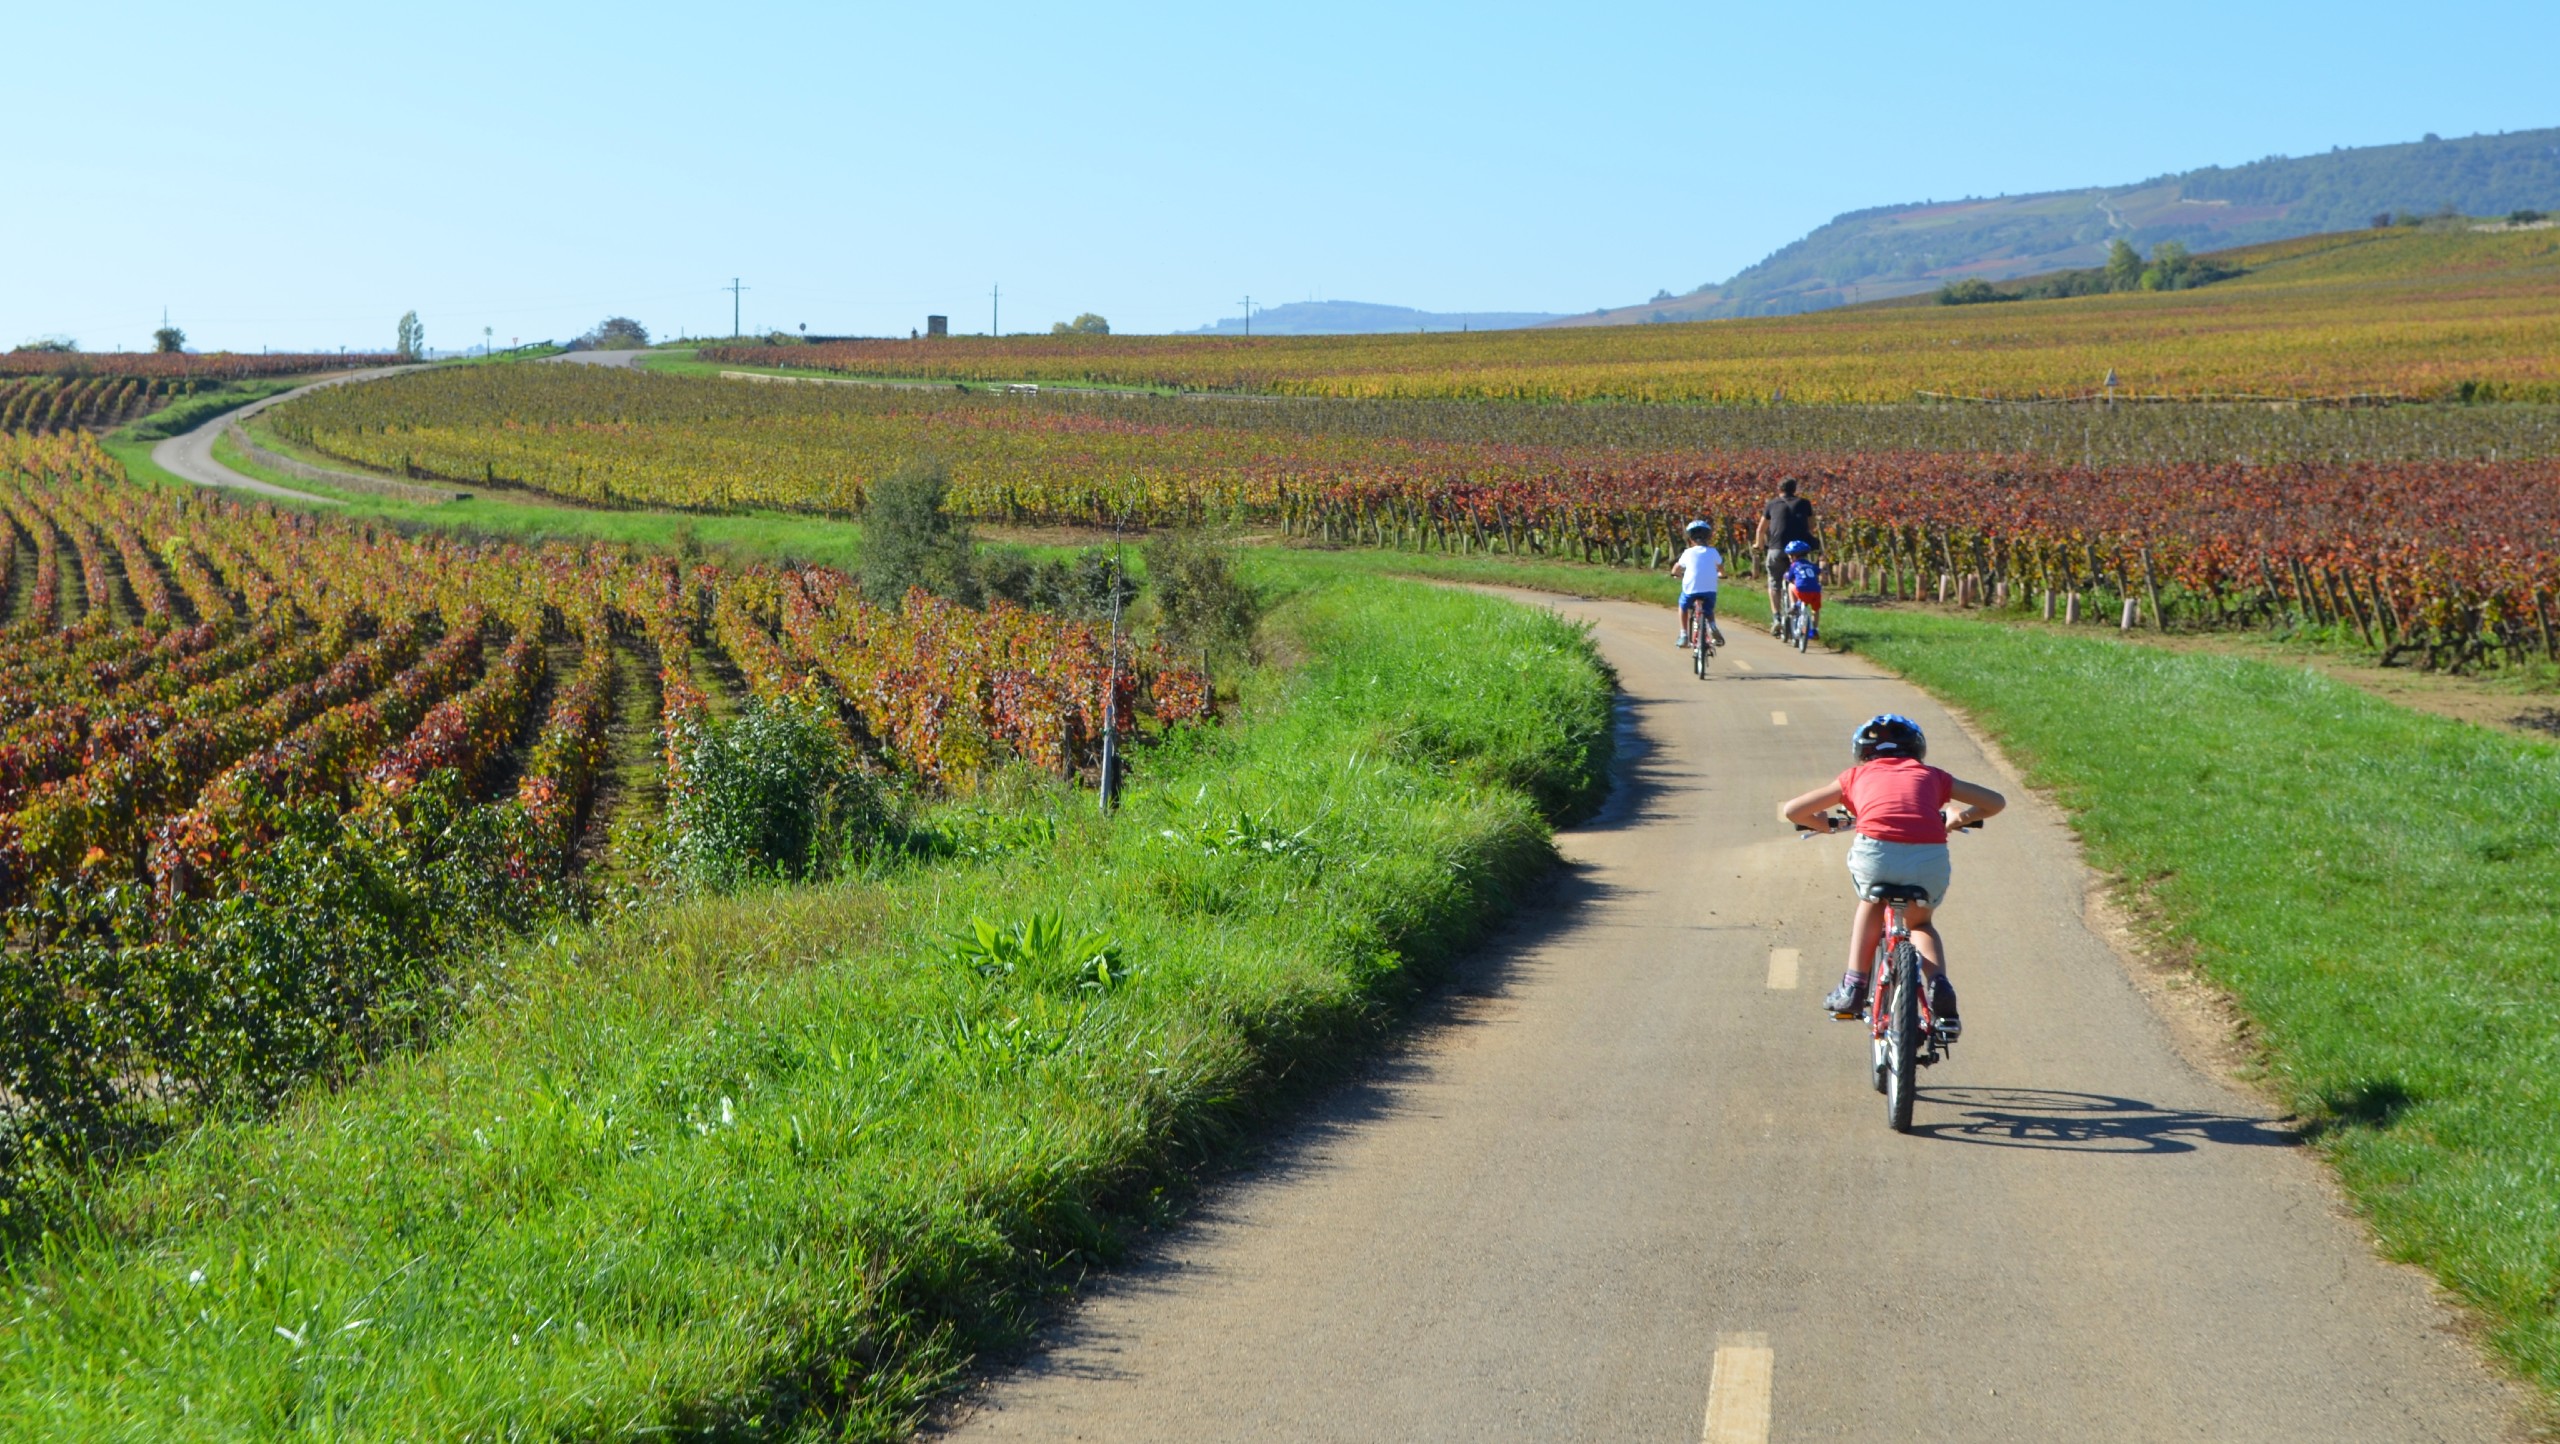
{"x": 910, "y": 538}
{"x": 1201, "y": 605}
{"x": 1971, "y": 291}
{"x": 770, "y": 794}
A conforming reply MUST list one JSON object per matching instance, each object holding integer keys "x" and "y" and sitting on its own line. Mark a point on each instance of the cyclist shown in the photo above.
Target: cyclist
{"x": 1901, "y": 808}
{"x": 1697, "y": 569}
{"x": 1786, "y": 518}
{"x": 1804, "y": 584}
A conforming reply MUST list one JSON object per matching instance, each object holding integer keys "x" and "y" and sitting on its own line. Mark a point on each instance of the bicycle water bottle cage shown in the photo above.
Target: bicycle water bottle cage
{"x": 1895, "y": 892}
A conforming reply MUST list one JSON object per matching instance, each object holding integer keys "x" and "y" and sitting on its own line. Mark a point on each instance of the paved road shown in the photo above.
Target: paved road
{"x": 1633, "y": 1185}
{"x": 189, "y": 455}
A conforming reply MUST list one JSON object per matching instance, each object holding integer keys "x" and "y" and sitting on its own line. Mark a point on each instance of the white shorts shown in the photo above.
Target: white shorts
{"x": 1909, "y": 864}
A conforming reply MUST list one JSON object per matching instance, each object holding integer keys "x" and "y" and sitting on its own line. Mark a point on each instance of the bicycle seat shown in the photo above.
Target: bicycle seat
{"x": 1896, "y": 892}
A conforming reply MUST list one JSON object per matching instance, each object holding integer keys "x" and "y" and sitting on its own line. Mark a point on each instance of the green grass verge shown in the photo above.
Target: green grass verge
{"x": 762, "y": 536}
{"x": 775, "y": 1167}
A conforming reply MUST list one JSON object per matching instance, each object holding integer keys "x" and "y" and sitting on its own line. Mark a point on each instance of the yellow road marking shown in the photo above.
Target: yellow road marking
{"x": 1777, "y": 719}
{"x": 1746, "y": 666}
{"x": 1782, "y": 967}
{"x": 1738, "y": 1394}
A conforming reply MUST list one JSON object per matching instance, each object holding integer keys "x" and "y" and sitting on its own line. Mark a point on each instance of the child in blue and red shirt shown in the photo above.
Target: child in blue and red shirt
{"x": 1804, "y": 583}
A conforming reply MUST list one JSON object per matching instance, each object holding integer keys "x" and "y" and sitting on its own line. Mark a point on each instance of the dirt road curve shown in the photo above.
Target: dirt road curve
{"x": 1634, "y": 1187}
{"x": 189, "y": 455}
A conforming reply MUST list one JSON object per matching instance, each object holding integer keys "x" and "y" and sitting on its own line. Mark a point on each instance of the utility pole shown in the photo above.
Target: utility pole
{"x": 736, "y": 329}
{"x": 1248, "y": 315}
{"x": 995, "y": 312}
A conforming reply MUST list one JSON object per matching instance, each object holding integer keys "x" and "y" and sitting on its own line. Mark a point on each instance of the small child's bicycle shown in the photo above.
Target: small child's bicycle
{"x": 1702, "y": 640}
{"x": 1902, "y": 1022}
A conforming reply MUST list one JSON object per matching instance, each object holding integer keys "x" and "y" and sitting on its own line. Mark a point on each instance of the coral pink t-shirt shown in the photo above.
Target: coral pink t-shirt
{"x": 1897, "y": 800}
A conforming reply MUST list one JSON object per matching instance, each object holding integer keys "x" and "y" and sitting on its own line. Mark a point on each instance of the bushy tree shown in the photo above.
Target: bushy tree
{"x": 2124, "y": 266}
{"x": 1201, "y": 604}
{"x": 412, "y": 345}
{"x": 1087, "y": 324}
{"x": 911, "y": 539}
{"x": 617, "y": 333}
{"x": 169, "y": 339}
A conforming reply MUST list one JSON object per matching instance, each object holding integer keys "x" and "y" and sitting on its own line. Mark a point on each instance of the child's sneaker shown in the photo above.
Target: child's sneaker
{"x": 1942, "y": 1002}
{"x": 1813, "y": 634}
{"x": 1849, "y": 1000}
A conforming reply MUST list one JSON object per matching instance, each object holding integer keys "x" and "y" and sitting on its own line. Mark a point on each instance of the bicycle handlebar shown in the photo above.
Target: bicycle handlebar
{"x": 1840, "y": 821}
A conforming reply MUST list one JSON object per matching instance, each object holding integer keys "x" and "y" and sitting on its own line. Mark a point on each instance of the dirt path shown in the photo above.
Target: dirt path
{"x": 189, "y": 455}
{"x": 1632, "y": 1184}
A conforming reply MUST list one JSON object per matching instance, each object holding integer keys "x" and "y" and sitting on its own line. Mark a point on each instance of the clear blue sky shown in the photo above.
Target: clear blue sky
{"x": 299, "y": 175}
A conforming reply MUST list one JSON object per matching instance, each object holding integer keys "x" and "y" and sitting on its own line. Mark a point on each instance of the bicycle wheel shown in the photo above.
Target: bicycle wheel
{"x": 1802, "y": 625}
{"x": 1902, "y": 1037}
{"x": 1698, "y": 656}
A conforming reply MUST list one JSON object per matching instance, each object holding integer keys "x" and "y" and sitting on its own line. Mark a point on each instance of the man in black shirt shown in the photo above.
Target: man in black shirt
{"x": 1787, "y": 518}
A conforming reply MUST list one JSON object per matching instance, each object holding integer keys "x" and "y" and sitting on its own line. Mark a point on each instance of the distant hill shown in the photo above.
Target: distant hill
{"x": 1890, "y": 251}
{"x": 1361, "y": 318}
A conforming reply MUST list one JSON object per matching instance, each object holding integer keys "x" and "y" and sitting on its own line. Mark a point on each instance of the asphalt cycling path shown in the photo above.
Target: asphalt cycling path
{"x": 1629, "y": 1182}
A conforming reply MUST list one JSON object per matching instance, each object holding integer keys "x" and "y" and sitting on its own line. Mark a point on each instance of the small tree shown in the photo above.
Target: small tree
{"x": 2124, "y": 266}
{"x": 413, "y": 338}
{"x": 1201, "y": 604}
{"x": 1087, "y": 324}
{"x": 910, "y": 539}
{"x": 618, "y": 333}
{"x": 169, "y": 340}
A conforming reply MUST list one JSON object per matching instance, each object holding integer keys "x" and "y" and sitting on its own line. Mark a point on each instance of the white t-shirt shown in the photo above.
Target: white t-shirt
{"x": 1699, "y": 567}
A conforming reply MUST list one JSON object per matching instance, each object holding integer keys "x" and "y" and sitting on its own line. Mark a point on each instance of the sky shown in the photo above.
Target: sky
{"x": 297, "y": 176}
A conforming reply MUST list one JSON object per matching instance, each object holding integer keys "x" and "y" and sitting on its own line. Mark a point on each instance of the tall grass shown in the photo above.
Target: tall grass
{"x": 776, "y": 1165}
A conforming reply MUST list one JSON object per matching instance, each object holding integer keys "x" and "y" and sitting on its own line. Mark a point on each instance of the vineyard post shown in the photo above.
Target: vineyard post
{"x": 1110, "y": 789}
{"x": 2275, "y": 596}
{"x": 2151, "y": 588}
{"x": 2347, "y": 584}
{"x": 2542, "y": 615}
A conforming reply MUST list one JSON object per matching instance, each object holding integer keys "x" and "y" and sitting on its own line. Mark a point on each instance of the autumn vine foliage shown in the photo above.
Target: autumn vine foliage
{"x": 248, "y": 752}
{"x": 2453, "y": 558}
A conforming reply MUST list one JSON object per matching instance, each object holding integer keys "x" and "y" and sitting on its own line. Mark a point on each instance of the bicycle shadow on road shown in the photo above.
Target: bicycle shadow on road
{"x": 2065, "y": 1122}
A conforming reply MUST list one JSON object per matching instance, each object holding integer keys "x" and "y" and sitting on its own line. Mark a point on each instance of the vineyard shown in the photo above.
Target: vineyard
{"x": 210, "y": 712}
{"x": 182, "y": 365}
{"x": 44, "y": 404}
{"x": 2387, "y": 313}
{"x": 2453, "y": 559}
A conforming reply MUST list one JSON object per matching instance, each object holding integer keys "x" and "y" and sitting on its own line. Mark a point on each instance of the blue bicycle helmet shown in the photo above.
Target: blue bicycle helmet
{"x": 1799, "y": 548}
{"x": 1888, "y": 734}
{"x": 1695, "y": 527}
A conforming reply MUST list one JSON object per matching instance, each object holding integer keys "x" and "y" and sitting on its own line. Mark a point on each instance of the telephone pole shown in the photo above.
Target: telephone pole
{"x": 735, "y": 290}
{"x": 995, "y": 312}
{"x": 1248, "y": 315}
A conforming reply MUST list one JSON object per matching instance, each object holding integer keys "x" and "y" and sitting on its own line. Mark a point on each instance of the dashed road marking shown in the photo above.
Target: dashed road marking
{"x": 1777, "y": 719}
{"x": 1738, "y": 1393}
{"x": 1782, "y": 967}
{"x": 1746, "y": 666}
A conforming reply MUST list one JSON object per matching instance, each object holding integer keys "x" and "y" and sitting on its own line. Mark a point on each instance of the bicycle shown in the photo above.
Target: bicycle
{"x": 1902, "y": 1020}
{"x": 1795, "y": 625}
{"x": 1702, "y": 640}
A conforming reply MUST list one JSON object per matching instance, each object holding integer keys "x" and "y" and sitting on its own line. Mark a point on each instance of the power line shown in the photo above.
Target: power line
{"x": 735, "y": 292}
{"x": 995, "y": 312}
{"x": 1248, "y": 315}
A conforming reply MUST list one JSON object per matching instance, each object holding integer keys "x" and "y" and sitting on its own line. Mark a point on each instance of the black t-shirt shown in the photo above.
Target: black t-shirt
{"x": 1790, "y": 519}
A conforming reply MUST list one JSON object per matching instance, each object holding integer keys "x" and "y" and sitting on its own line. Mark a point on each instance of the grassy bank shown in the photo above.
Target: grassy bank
{"x": 774, "y": 1167}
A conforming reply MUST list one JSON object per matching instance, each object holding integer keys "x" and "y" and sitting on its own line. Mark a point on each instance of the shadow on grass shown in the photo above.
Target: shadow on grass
{"x": 2373, "y": 1104}
{"x": 2056, "y": 1121}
